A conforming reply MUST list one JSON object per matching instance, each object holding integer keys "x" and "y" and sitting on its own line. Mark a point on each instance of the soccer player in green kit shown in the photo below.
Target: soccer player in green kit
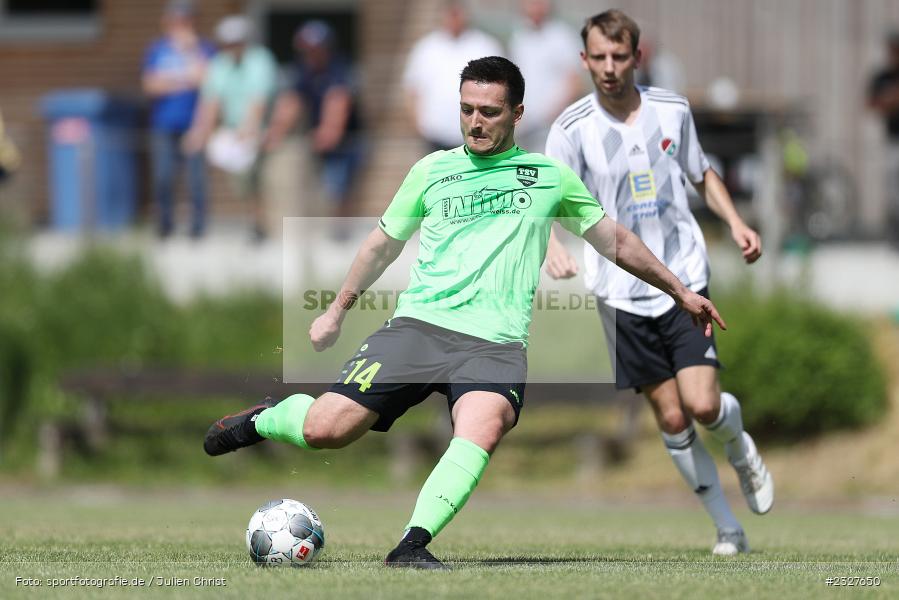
{"x": 484, "y": 210}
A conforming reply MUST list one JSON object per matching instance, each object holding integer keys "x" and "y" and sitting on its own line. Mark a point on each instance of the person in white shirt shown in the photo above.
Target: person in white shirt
{"x": 430, "y": 79}
{"x": 546, "y": 51}
{"x": 634, "y": 148}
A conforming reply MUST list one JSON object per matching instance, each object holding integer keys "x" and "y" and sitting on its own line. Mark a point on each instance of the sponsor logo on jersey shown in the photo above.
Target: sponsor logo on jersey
{"x": 486, "y": 201}
{"x": 527, "y": 176}
{"x": 668, "y": 146}
{"x": 643, "y": 185}
{"x": 636, "y": 150}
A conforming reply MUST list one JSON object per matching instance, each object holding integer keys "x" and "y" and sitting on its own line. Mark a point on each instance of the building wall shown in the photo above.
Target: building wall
{"x": 814, "y": 55}
{"x": 112, "y": 61}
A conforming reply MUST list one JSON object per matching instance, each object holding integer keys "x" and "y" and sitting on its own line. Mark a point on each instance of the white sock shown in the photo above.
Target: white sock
{"x": 699, "y": 471}
{"x": 728, "y": 428}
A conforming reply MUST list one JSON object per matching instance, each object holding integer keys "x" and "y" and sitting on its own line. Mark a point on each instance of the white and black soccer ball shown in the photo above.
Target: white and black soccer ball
{"x": 285, "y": 533}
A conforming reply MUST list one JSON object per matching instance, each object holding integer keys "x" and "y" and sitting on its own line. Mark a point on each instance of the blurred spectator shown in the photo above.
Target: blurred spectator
{"x": 10, "y": 159}
{"x": 237, "y": 92}
{"x": 322, "y": 91}
{"x": 547, "y": 52}
{"x": 431, "y": 77}
{"x": 174, "y": 67}
{"x": 883, "y": 96}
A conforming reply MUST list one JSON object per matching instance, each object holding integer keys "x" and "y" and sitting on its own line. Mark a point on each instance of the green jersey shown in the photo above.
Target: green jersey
{"x": 485, "y": 223}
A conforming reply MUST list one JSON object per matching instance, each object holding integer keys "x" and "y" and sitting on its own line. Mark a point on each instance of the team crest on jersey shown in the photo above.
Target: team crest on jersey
{"x": 668, "y": 146}
{"x": 527, "y": 176}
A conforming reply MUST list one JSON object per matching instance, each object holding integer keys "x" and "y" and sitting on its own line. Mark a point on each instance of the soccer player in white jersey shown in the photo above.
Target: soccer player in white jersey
{"x": 634, "y": 148}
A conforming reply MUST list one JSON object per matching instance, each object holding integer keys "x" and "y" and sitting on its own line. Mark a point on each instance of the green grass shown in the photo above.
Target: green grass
{"x": 501, "y": 546}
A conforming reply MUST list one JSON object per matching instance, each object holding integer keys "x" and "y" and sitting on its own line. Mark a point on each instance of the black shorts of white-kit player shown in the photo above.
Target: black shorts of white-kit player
{"x": 649, "y": 350}
{"x": 405, "y": 361}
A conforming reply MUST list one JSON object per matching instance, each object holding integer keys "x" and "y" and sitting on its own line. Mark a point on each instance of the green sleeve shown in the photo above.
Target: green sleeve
{"x": 578, "y": 210}
{"x": 404, "y": 215}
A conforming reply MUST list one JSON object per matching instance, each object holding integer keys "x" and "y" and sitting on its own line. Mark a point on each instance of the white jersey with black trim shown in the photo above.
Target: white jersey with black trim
{"x": 638, "y": 173}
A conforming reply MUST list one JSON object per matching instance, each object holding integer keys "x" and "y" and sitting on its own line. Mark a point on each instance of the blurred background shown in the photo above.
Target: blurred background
{"x": 150, "y": 151}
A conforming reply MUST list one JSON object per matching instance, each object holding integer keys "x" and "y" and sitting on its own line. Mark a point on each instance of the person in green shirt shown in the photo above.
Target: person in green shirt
{"x": 484, "y": 211}
{"x": 235, "y": 101}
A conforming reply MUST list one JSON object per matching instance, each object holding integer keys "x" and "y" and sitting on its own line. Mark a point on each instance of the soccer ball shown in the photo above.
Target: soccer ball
{"x": 285, "y": 533}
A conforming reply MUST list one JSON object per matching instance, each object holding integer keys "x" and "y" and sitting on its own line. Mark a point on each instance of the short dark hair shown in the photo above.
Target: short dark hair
{"x": 496, "y": 69}
{"x": 615, "y": 25}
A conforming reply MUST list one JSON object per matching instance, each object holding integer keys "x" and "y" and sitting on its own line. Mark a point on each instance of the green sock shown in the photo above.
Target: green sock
{"x": 284, "y": 421}
{"x": 449, "y": 485}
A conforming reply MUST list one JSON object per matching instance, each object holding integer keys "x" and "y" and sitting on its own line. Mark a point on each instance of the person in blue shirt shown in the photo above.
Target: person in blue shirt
{"x": 173, "y": 70}
{"x": 323, "y": 93}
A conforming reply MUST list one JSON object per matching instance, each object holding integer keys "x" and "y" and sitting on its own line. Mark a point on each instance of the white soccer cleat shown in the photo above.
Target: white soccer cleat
{"x": 731, "y": 542}
{"x": 755, "y": 480}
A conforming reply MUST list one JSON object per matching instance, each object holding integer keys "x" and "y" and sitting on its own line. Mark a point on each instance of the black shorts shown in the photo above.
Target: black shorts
{"x": 405, "y": 361}
{"x": 650, "y": 350}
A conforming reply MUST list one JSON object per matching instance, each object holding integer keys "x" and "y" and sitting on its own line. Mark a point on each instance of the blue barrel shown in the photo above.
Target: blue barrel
{"x": 93, "y": 145}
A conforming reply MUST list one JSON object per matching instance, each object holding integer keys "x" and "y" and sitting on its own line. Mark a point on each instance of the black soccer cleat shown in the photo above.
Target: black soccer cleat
{"x": 413, "y": 556}
{"x": 232, "y": 432}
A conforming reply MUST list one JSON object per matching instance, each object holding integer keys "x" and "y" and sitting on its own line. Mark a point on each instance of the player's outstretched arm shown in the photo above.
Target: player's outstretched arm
{"x": 621, "y": 246}
{"x": 717, "y": 197}
{"x": 377, "y": 252}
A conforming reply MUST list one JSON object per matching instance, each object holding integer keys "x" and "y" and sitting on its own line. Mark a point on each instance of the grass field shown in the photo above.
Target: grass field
{"x": 501, "y": 546}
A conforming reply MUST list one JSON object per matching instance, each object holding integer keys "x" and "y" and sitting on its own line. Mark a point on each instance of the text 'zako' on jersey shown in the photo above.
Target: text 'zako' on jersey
{"x": 485, "y": 223}
{"x": 638, "y": 172}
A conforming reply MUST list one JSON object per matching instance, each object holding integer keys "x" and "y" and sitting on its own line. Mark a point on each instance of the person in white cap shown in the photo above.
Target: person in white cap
{"x": 237, "y": 92}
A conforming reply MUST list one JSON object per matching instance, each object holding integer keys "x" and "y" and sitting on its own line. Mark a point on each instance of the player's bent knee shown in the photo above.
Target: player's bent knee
{"x": 705, "y": 413}
{"x": 673, "y": 422}
{"x": 316, "y": 436}
{"x": 335, "y": 421}
{"x": 324, "y": 435}
{"x": 494, "y": 437}
{"x": 487, "y": 436}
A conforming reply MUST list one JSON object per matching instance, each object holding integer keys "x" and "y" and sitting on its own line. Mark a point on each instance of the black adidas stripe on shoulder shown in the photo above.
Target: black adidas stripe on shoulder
{"x": 666, "y": 94}
{"x": 575, "y": 107}
{"x": 580, "y": 104}
{"x": 663, "y": 92}
{"x": 564, "y": 123}
{"x": 667, "y": 97}
{"x": 575, "y": 120}
{"x": 669, "y": 101}
{"x": 586, "y": 111}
